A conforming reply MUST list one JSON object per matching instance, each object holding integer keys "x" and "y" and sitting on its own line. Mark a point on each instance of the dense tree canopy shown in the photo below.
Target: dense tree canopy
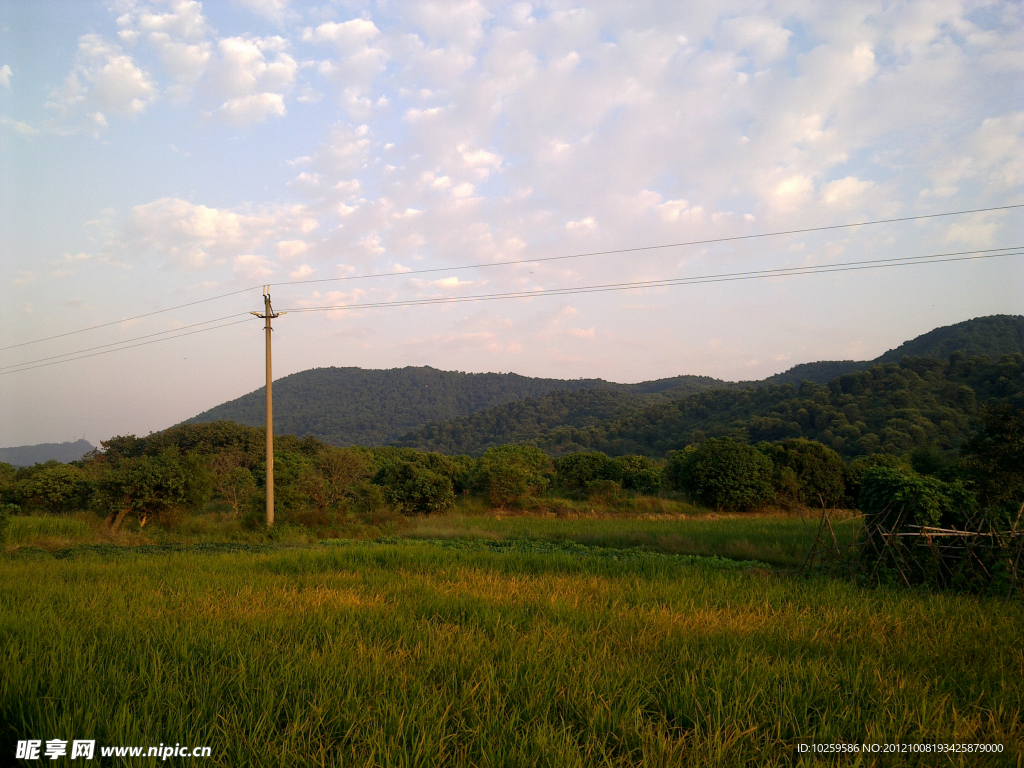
{"x": 890, "y": 408}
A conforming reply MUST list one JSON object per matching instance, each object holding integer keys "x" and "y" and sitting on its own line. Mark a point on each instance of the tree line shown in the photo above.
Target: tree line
{"x": 185, "y": 468}
{"x": 891, "y": 408}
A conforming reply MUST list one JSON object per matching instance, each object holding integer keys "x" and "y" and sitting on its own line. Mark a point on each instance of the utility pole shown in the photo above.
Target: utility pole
{"x": 268, "y": 315}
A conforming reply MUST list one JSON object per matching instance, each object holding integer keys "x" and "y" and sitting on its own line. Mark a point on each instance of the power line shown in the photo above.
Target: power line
{"x": 142, "y": 344}
{"x": 667, "y": 282}
{"x": 123, "y": 341}
{"x": 520, "y": 261}
{"x": 646, "y": 247}
{"x": 127, "y": 319}
{"x": 727, "y": 277}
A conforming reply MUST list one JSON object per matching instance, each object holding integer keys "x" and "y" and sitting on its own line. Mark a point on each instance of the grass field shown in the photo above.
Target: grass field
{"x": 772, "y": 538}
{"x": 493, "y": 653}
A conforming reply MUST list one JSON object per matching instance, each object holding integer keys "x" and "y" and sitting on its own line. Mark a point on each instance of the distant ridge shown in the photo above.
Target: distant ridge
{"x": 27, "y": 455}
{"x": 354, "y": 406}
{"x": 994, "y": 336}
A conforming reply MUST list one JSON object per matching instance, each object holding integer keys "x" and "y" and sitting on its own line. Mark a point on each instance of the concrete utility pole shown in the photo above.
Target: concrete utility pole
{"x": 268, "y": 315}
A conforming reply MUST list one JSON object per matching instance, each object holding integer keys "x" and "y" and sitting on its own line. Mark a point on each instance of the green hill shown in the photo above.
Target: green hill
{"x": 27, "y": 455}
{"x": 993, "y": 336}
{"x": 353, "y": 406}
{"x": 459, "y": 412}
{"x": 891, "y": 407}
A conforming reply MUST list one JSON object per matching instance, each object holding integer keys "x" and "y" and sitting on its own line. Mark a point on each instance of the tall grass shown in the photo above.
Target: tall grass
{"x": 52, "y": 528}
{"x": 411, "y": 654}
{"x": 772, "y": 538}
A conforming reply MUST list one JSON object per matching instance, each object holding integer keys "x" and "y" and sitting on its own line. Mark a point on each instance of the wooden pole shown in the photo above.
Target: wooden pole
{"x": 268, "y": 314}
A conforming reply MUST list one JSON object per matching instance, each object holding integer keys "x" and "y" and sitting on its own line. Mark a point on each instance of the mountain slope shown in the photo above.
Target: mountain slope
{"x": 891, "y": 407}
{"x": 994, "y": 336}
{"x": 352, "y": 406}
{"x": 27, "y": 455}
{"x": 346, "y": 406}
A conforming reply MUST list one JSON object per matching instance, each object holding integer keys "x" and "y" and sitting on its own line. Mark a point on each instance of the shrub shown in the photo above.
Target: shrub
{"x": 604, "y": 491}
{"x": 806, "y": 472}
{"x": 412, "y": 488}
{"x": 146, "y": 487}
{"x": 5, "y": 519}
{"x": 640, "y": 474}
{"x": 854, "y": 472}
{"x": 994, "y": 458}
{"x": 894, "y": 498}
{"x": 53, "y": 487}
{"x": 576, "y": 471}
{"x": 723, "y": 474}
{"x": 511, "y": 474}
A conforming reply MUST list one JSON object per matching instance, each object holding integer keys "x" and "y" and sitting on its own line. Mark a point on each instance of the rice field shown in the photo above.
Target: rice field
{"x": 492, "y": 652}
{"x": 782, "y": 540}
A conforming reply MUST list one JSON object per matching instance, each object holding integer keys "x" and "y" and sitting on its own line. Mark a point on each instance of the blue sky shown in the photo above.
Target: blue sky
{"x": 158, "y": 153}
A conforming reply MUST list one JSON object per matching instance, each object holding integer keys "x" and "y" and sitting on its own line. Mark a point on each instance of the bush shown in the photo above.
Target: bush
{"x": 604, "y": 491}
{"x": 640, "y": 474}
{"x": 511, "y": 474}
{"x": 53, "y": 487}
{"x": 146, "y": 487}
{"x": 854, "y": 472}
{"x": 895, "y": 498}
{"x": 5, "y": 519}
{"x": 806, "y": 472}
{"x": 411, "y": 488}
{"x": 994, "y": 458}
{"x": 723, "y": 474}
{"x": 576, "y": 471}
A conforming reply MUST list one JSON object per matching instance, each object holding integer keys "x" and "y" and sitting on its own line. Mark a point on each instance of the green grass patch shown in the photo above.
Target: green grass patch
{"x": 778, "y": 539}
{"x": 23, "y": 530}
{"x": 488, "y": 654}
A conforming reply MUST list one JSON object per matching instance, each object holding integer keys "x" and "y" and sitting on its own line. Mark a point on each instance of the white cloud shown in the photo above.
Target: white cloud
{"x": 186, "y": 62}
{"x": 106, "y": 77}
{"x": 291, "y": 249}
{"x": 766, "y": 39}
{"x": 19, "y": 127}
{"x": 252, "y": 74}
{"x": 348, "y": 36}
{"x": 845, "y": 192}
{"x": 184, "y": 19}
{"x": 187, "y": 236}
{"x": 275, "y": 10}
{"x": 246, "y": 110}
{"x": 252, "y": 267}
{"x": 5, "y": 76}
{"x": 584, "y": 225}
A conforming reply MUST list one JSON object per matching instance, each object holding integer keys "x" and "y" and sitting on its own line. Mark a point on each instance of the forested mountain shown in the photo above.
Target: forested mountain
{"x": 994, "y": 336}
{"x": 891, "y": 407}
{"x": 352, "y": 406}
{"x": 27, "y": 455}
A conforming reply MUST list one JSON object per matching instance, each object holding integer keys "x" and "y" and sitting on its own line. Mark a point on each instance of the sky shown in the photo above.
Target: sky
{"x": 159, "y": 154}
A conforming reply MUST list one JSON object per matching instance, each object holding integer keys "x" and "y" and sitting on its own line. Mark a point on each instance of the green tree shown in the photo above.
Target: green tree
{"x": 54, "y": 487}
{"x": 640, "y": 474}
{"x": 994, "y": 458}
{"x": 577, "y": 471}
{"x": 148, "y": 487}
{"x": 854, "y": 472}
{"x": 510, "y": 474}
{"x": 806, "y": 472}
{"x": 894, "y": 498}
{"x": 411, "y": 488}
{"x": 232, "y": 479}
{"x": 723, "y": 474}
